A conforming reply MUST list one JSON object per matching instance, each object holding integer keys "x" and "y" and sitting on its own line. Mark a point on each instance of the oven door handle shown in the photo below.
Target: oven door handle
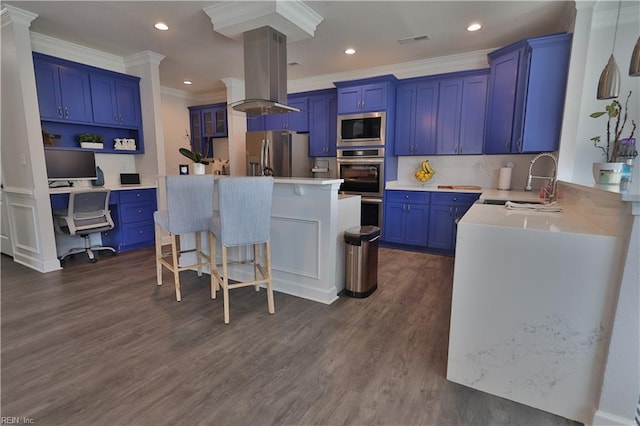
{"x": 371, "y": 200}
{"x": 360, "y": 160}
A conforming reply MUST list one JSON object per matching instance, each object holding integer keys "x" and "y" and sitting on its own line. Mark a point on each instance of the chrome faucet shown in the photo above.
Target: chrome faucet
{"x": 553, "y": 179}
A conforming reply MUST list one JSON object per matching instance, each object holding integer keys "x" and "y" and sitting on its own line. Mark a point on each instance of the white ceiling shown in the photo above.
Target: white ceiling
{"x": 194, "y": 51}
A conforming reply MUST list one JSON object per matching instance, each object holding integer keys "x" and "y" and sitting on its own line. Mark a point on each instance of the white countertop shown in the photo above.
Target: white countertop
{"x": 307, "y": 181}
{"x": 70, "y": 189}
{"x": 568, "y": 221}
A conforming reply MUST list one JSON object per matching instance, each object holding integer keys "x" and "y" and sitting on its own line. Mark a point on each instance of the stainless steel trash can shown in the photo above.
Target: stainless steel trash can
{"x": 362, "y": 260}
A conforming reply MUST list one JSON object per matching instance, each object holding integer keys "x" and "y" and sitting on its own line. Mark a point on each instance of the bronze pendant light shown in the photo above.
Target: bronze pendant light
{"x": 609, "y": 83}
{"x": 634, "y": 66}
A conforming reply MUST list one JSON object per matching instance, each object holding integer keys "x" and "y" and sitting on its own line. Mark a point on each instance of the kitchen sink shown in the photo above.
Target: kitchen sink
{"x": 503, "y": 202}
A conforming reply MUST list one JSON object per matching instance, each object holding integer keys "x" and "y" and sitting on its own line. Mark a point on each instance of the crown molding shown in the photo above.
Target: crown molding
{"x": 146, "y": 57}
{"x": 75, "y": 52}
{"x": 293, "y": 18}
{"x": 10, "y": 14}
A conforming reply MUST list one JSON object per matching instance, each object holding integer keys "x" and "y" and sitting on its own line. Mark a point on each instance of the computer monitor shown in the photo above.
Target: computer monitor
{"x": 70, "y": 165}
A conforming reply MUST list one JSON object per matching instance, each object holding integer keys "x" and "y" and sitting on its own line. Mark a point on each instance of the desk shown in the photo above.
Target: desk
{"x": 132, "y": 208}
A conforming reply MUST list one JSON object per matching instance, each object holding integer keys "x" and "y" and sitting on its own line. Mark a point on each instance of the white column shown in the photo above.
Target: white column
{"x": 23, "y": 165}
{"x": 236, "y": 127}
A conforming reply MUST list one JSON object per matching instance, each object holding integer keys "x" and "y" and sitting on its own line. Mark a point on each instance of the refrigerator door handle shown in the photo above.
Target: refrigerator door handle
{"x": 262, "y": 164}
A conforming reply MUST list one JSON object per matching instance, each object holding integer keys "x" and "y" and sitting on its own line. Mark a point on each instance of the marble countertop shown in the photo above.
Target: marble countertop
{"x": 567, "y": 221}
{"x": 307, "y": 181}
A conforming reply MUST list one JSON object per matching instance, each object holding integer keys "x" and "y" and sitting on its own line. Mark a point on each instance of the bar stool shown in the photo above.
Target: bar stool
{"x": 189, "y": 210}
{"x": 245, "y": 219}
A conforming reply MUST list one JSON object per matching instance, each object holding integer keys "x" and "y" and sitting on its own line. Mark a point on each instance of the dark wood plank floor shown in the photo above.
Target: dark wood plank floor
{"x": 101, "y": 344}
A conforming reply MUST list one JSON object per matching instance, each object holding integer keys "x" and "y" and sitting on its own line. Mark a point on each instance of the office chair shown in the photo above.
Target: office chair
{"x": 189, "y": 211}
{"x": 87, "y": 213}
{"x": 244, "y": 220}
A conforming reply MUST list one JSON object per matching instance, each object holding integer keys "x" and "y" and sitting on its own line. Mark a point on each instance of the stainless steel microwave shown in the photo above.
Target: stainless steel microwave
{"x": 365, "y": 129}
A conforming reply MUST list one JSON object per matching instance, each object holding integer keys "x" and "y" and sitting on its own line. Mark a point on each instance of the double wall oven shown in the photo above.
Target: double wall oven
{"x": 360, "y": 159}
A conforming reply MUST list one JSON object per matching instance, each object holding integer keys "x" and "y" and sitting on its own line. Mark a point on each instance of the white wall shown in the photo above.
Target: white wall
{"x": 593, "y": 39}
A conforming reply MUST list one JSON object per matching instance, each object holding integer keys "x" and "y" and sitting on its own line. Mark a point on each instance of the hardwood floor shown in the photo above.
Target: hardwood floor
{"x": 101, "y": 344}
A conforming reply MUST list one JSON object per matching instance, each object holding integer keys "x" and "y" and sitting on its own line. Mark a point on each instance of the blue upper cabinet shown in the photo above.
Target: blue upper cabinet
{"x": 368, "y": 95}
{"x": 526, "y": 95}
{"x": 116, "y": 99}
{"x": 322, "y": 124}
{"x": 207, "y": 122}
{"x": 63, "y": 92}
{"x": 416, "y": 111}
{"x": 294, "y": 121}
{"x": 461, "y": 114}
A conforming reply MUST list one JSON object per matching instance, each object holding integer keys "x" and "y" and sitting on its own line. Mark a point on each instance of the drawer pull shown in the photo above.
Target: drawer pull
{"x": 139, "y": 211}
{"x": 140, "y": 232}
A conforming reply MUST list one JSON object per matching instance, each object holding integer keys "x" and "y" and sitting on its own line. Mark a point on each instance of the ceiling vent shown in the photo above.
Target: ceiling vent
{"x": 410, "y": 40}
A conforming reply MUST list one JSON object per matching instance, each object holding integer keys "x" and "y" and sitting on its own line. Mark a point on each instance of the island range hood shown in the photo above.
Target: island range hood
{"x": 265, "y": 73}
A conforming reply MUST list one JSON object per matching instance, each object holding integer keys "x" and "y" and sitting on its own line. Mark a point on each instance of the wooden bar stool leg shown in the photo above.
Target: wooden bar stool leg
{"x": 225, "y": 285}
{"x": 256, "y": 260}
{"x": 212, "y": 265}
{"x": 176, "y": 273}
{"x": 199, "y": 252}
{"x": 267, "y": 260}
{"x": 158, "y": 254}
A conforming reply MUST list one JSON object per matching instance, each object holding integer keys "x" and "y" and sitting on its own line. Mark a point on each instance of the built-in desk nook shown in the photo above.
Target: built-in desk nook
{"x": 131, "y": 207}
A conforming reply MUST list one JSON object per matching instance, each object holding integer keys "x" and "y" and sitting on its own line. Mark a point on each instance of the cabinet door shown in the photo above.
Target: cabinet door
{"x": 441, "y": 227}
{"x": 103, "y": 90}
{"x": 405, "y": 119}
{"x": 298, "y": 121}
{"x": 322, "y": 126}
{"x": 76, "y": 94}
{"x": 220, "y": 125}
{"x": 256, "y": 123}
{"x": 275, "y": 121}
{"x": 417, "y": 222}
{"x": 349, "y": 99}
{"x": 426, "y": 118}
{"x": 374, "y": 97}
{"x": 449, "y": 106}
{"x": 196, "y": 129}
{"x": 128, "y": 102}
{"x": 472, "y": 119}
{"x": 502, "y": 94}
{"x": 394, "y": 222}
{"x": 48, "y": 88}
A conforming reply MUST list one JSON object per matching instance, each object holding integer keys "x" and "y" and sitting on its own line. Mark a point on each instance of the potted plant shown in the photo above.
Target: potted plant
{"x": 198, "y": 157}
{"x": 90, "y": 140}
{"x": 610, "y": 171}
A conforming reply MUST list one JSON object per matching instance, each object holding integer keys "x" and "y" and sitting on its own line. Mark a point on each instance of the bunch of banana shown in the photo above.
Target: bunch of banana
{"x": 425, "y": 173}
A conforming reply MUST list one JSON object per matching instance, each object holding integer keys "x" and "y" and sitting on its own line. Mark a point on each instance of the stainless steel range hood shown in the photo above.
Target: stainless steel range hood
{"x": 265, "y": 73}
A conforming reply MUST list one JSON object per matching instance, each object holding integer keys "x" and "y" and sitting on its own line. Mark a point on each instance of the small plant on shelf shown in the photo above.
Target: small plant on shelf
{"x": 89, "y": 137}
{"x": 194, "y": 155}
{"x": 613, "y": 111}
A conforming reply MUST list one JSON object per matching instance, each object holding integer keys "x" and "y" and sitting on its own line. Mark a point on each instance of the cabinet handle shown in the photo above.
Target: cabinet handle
{"x": 115, "y": 117}
{"x": 66, "y": 112}
{"x": 139, "y": 211}
{"x": 450, "y": 211}
{"x": 408, "y": 207}
{"x": 59, "y": 111}
{"x": 140, "y": 232}
{"x": 506, "y": 144}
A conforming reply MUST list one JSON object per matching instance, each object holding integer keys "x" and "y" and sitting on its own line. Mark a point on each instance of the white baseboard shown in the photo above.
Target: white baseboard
{"x": 602, "y": 418}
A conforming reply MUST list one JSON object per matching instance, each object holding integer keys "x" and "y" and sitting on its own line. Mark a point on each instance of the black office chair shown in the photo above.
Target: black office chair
{"x": 87, "y": 213}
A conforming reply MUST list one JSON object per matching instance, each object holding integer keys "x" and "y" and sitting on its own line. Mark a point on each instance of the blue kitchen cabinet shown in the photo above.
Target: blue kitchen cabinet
{"x": 116, "y": 99}
{"x": 446, "y": 209}
{"x": 207, "y": 122}
{"x": 132, "y": 213}
{"x": 370, "y": 95}
{"x": 526, "y": 95}
{"x": 406, "y": 218}
{"x": 322, "y": 124}
{"x": 64, "y": 93}
{"x": 256, "y": 123}
{"x": 461, "y": 114}
{"x": 416, "y": 111}
{"x": 294, "y": 121}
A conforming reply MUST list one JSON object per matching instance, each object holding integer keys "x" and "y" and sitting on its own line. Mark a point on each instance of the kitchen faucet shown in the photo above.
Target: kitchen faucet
{"x": 552, "y": 195}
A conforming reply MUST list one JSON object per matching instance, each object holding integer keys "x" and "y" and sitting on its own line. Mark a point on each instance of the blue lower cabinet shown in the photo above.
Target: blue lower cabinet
{"x": 132, "y": 214}
{"x": 406, "y": 218}
{"x": 446, "y": 209}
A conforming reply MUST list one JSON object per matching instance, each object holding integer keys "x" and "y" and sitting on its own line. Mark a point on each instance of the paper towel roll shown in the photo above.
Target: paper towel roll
{"x": 504, "y": 180}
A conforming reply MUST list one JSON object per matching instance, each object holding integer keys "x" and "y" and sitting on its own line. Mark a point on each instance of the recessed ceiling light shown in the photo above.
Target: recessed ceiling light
{"x": 188, "y": 82}
{"x": 474, "y": 27}
{"x": 161, "y": 26}
{"x": 350, "y": 51}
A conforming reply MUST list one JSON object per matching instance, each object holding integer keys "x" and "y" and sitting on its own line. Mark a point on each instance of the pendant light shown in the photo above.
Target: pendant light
{"x": 634, "y": 66}
{"x": 609, "y": 84}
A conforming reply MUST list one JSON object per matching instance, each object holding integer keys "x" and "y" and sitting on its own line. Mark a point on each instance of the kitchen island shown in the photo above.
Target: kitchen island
{"x": 534, "y": 296}
{"x": 308, "y": 220}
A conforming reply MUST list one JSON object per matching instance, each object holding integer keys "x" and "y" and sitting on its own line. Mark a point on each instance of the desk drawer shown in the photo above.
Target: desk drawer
{"x": 135, "y": 195}
{"x": 135, "y": 233}
{"x": 136, "y": 212}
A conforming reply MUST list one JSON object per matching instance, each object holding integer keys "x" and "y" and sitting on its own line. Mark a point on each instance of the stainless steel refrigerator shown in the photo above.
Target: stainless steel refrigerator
{"x": 281, "y": 153}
